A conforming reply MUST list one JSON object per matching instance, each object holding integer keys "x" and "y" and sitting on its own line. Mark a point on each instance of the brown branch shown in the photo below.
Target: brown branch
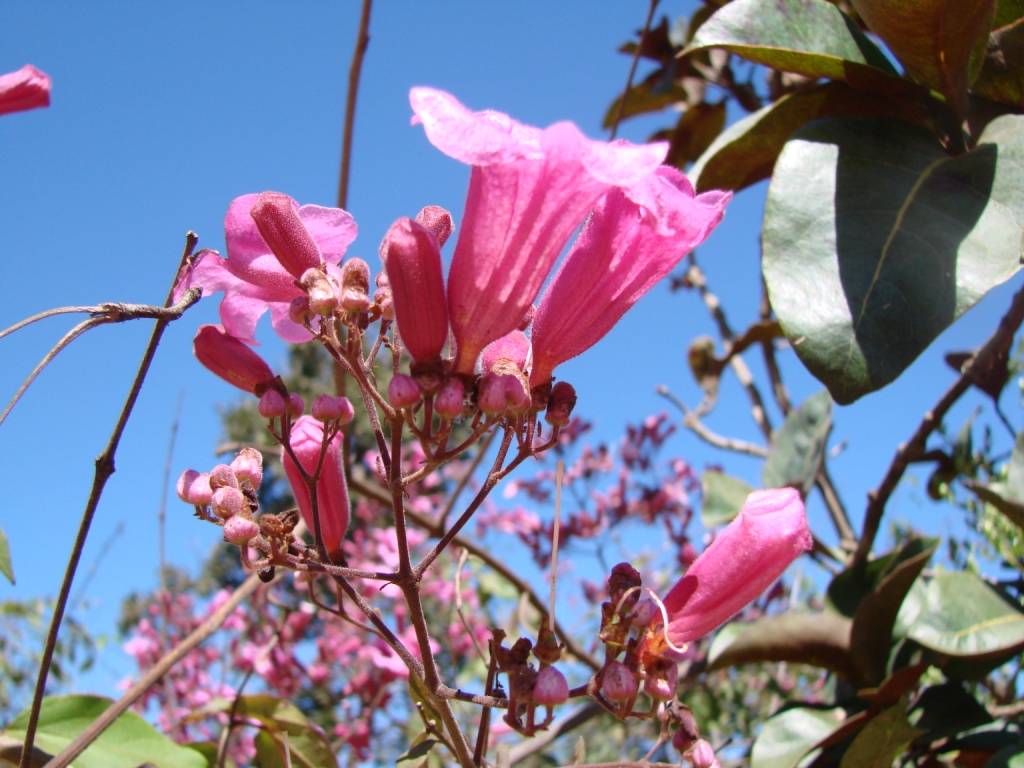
{"x": 104, "y": 469}
{"x": 914, "y": 448}
{"x": 354, "y": 71}
{"x": 632, "y": 67}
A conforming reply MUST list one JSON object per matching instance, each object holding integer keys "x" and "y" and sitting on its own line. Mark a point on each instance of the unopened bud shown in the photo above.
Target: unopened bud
{"x": 240, "y": 530}
{"x": 230, "y": 358}
{"x": 403, "y": 391}
{"x": 517, "y": 398}
{"x": 222, "y": 476}
{"x": 491, "y": 395}
{"x": 550, "y": 688}
{"x": 299, "y": 311}
{"x": 321, "y": 291}
{"x": 355, "y": 285}
{"x": 687, "y": 733}
{"x": 272, "y": 404}
{"x": 618, "y": 684}
{"x": 277, "y": 218}
{"x": 448, "y": 403}
{"x": 702, "y": 755}
{"x": 325, "y": 408}
{"x": 662, "y": 679}
{"x": 227, "y": 502}
{"x": 248, "y": 465}
{"x": 296, "y": 405}
{"x": 194, "y": 488}
{"x": 384, "y": 300}
{"x": 560, "y": 404}
{"x": 438, "y": 221}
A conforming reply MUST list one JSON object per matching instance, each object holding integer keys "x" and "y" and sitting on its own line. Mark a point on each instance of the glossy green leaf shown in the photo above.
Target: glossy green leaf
{"x": 933, "y": 39}
{"x": 962, "y": 616}
{"x": 6, "y": 568}
{"x": 947, "y": 709}
{"x": 871, "y": 633}
{"x": 850, "y": 587}
{"x": 875, "y": 241}
{"x": 128, "y": 743}
{"x": 1007, "y": 496}
{"x": 208, "y": 749}
{"x": 798, "y": 446}
{"x": 418, "y": 753}
{"x": 809, "y": 37}
{"x": 789, "y": 736}
{"x": 1002, "y": 74}
{"x": 746, "y": 151}
{"x": 722, "y": 496}
{"x": 818, "y": 639}
{"x": 880, "y": 741}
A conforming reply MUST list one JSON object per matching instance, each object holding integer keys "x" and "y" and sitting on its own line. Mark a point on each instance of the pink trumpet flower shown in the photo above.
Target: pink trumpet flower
{"x": 634, "y": 238}
{"x": 306, "y": 441}
{"x": 252, "y": 277}
{"x": 528, "y": 191}
{"x": 768, "y": 534}
{"x": 231, "y": 359}
{"x": 27, "y": 88}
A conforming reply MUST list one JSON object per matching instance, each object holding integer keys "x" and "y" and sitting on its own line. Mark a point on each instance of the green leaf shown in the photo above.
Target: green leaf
{"x": 746, "y": 151}
{"x": 129, "y": 742}
{"x": 417, "y": 754}
{"x": 881, "y": 740}
{"x": 722, "y": 495}
{"x": 697, "y": 127}
{"x": 1008, "y": 496}
{"x": 208, "y": 749}
{"x": 798, "y": 446}
{"x": 5, "y": 557}
{"x": 871, "y": 633}
{"x": 809, "y": 37}
{"x": 947, "y": 709}
{"x": 1007, "y": 12}
{"x": 933, "y": 39}
{"x": 875, "y": 241}
{"x": 790, "y": 735}
{"x": 819, "y": 639}
{"x": 962, "y": 616}
{"x": 1002, "y": 75}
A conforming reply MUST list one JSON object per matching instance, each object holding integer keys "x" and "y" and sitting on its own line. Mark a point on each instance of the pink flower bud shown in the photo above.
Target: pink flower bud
{"x": 27, "y": 88}
{"x": 506, "y": 355}
{"x": 194, "y": 488}
{"x": 272, "y": 404}
{"x": 321, "y": 290}
{"x": 355, "y": 285}
{"x": 231, "y": 359}
{"x": 438, "y": 221}
{"x": 618, "y": 684}
{"x": 403, "y": 391}
{"x": 331, "y": 491}
{"x": 296, "y": 405}
{"x": 277, "y": 219}
{"x": 382, "y": 297}
{"x": 248, "y": 465}
{"x": 686, "y": 734}
{"x": 448, "y": 403}
{"x": 517, "y": 398}
{"x": 240, "y": 530}
{"x": 412, "y": 258}
{"x": 550, "y": 688}
{"x": 227, "y": 502}
{"x": 222, "y": 476}
{"x": 662, "y": 679}
{"x": 702, "y": 755}
{"x": 560, "y": 404}
{"x": 491, "y": 395}
{"x": 327, "y": 408}
{"x": 299, "y": 311}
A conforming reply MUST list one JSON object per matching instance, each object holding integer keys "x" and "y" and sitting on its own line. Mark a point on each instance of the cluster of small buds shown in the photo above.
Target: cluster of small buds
{"x": 226, "y": 495}
{"x": 530, "y": 687}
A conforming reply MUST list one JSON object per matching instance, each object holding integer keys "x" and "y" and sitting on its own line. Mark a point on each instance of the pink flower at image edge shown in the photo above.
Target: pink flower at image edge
{"x": 28, "y": 88}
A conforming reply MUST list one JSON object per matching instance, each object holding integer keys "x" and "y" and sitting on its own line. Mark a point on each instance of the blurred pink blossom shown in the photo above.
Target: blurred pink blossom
{"x": 27, "y": 88}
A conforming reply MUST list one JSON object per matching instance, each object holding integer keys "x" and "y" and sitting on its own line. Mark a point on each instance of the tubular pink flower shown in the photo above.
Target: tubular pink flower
{"x": 27, "y": 88}
{"x": 331, "y": 491}
{"x": 411, "y": 257}
{"x": 635, "y": 237}
{"x": 253, "y": 278}
{"x": 769, "y": 533}
{"x": 528, "y": 191}
{"x": 277, "y": 219}
{"x": 230, "y": 358}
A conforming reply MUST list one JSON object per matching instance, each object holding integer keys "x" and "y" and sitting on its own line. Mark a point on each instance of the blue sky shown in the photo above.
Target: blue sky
{"x": 163, "y": 113}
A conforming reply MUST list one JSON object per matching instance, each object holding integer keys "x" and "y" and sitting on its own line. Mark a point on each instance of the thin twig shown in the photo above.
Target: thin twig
{"x": 161, "y": 518}
{"x": 579, "y": 717}
{"x": 632, "y": 67}
{"x": 915, "y": 447}
{"x": 354, "y": 71}
{"x": 555, "y": 529}
{"x": 692, "y": 422}
{"x": 104, "y": 469}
